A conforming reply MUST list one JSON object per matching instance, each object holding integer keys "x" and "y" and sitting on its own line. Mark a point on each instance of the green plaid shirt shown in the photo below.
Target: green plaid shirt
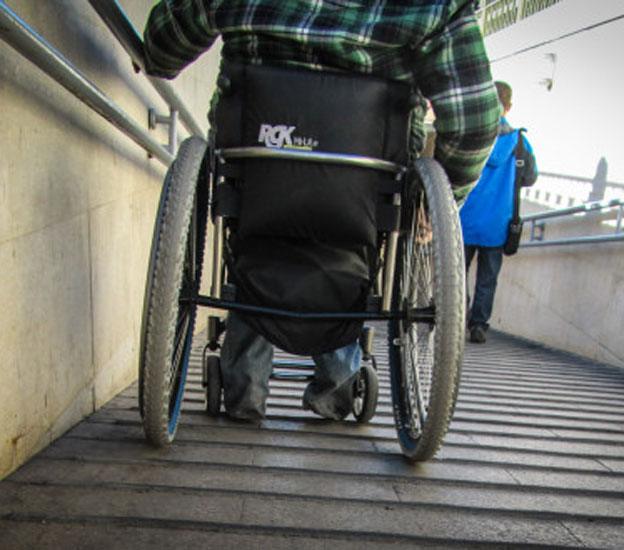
{"x": 434, "y": 44}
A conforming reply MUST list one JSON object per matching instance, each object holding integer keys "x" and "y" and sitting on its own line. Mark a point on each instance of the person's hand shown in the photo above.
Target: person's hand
{"x": 424, "y": 231}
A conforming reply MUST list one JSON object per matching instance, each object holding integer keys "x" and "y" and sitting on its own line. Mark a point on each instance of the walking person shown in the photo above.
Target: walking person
{"x": 486, "y": 214}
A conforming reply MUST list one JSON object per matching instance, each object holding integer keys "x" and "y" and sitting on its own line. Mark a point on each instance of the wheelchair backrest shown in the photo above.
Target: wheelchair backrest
{"x": 314, "y": 111}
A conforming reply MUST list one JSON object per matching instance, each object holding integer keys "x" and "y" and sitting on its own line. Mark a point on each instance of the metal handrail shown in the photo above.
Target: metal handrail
{"x": 580, "y": 179}
{"x": 597, "y": 239}
{"x": 596, "y": 206}
{"x": 114, "y": 17}
{"x": 582, "y": 208}
{"x": 25, "y": 40}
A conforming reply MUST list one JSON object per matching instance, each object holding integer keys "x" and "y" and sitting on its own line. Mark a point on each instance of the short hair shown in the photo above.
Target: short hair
{"x": 504, "y": 93}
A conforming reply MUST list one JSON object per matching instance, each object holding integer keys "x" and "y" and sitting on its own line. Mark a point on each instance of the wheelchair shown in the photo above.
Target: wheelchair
{"x": 305, "y": 163}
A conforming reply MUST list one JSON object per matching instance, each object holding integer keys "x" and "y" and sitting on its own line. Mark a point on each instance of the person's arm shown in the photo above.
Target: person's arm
{"x": 177, "y": 32}
{"x": 453, "y": 72}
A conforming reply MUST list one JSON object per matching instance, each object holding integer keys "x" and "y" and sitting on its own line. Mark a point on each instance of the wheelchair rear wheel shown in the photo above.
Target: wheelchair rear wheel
{"x": 174, "y": 273}
{"x": 425, "y": 359}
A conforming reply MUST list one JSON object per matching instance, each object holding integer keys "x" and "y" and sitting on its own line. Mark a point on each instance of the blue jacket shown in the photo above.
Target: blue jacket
{"x": 486, "y": 213}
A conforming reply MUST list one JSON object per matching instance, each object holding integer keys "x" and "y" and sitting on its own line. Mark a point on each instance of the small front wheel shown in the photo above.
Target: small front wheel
{"x": 366, "y": 390}
{"x": 213, "y": 383}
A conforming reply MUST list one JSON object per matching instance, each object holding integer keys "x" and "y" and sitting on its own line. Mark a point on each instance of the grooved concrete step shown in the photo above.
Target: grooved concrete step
{"x": 534, "y": 459}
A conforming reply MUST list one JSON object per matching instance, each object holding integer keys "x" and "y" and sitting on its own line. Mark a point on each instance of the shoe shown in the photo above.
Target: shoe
{"x": 323, "y": 409}
{"x": 249, "y": 416}
{"x": 330, "y": 405}
{"x": 477, "y": 335}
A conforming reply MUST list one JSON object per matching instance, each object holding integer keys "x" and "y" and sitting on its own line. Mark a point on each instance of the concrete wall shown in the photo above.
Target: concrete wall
{"x": 77, "y": 205}
{"x": 568, "y": 297}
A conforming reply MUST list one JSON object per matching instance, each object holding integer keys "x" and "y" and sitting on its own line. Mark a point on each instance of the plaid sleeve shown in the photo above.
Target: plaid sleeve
{"x": 454, "y": 74}
{"x": 177, "y": 33}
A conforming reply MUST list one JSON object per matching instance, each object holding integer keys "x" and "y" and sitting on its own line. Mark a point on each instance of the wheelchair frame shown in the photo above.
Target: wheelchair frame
{"x": 426, "y": 314}
{"x": 425, "y": 362}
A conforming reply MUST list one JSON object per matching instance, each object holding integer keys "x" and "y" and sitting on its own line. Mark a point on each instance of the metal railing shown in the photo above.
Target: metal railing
{"x": 25, "y": 40}
{"x": 538, "y": 225}
{"x": 500, "y": 14}
{"x": 556, "y": 190}
{"x": 118, "y": 23}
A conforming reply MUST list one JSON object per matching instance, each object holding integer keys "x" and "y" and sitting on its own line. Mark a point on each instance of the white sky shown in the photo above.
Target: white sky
{"x": 582, "y": 118}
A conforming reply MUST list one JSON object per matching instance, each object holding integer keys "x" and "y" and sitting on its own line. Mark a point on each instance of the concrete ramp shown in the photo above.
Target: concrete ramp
{"x": 534, "y": 459}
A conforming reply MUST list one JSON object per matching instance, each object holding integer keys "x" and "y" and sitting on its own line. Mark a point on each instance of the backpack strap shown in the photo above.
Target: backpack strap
{"x": 520, "y": 167}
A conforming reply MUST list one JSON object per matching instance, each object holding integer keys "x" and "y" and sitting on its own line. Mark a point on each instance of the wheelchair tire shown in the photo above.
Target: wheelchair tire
{"x": 214, "y": 385}
{"x": 174, "y": 272}
{"x": 366, "y": 389}
{"x": 425, "y": 359}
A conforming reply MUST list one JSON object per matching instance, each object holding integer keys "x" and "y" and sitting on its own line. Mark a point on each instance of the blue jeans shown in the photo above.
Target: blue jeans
{"x": 489, "y": 262}
{"x": 247, "y": 362}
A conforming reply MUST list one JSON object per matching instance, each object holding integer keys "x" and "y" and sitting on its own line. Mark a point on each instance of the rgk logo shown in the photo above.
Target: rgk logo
{"x": 276, "y": 136}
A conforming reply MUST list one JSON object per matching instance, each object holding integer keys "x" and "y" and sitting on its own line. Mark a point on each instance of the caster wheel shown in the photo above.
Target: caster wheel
{"x": 213, "y": 384}
{"x": 366, "y": 389}
{"x": 366, "y": 342}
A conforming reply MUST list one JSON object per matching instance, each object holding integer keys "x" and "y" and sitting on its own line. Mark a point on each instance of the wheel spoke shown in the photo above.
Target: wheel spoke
{"x": 417, "y": 280}
{"x": 188, "y": 287}
{"x": 420, "y": 388}
{"x": 184, "y": 321}
{"x": 192, "y": 246}
{"x": 182, "y": 317}
{"x": 189, "y": 262}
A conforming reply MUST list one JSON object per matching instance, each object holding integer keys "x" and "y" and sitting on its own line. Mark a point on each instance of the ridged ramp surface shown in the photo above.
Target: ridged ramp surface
{"x": 534, "y": 458}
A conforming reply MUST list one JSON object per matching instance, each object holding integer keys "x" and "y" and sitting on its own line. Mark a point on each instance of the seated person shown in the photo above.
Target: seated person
{"x": 434, "y": 46}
